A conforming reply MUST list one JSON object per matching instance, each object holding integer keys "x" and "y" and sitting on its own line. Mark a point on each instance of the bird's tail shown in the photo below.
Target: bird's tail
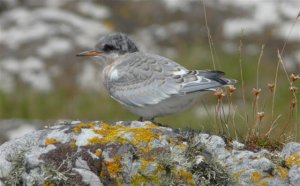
{"x": 208, "y": 80}
{"x": 225, "y": 81}
{"x": 215, "y": 75}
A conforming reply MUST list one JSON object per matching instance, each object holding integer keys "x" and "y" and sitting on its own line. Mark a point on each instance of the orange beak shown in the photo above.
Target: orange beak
{"x": 90, "y": 53}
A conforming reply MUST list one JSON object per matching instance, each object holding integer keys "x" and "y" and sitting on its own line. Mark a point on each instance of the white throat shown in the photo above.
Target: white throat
{"x": 106, "y": 59}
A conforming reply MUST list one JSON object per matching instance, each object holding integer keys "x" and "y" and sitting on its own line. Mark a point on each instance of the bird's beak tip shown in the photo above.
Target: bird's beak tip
{"x": 90, "y": 53}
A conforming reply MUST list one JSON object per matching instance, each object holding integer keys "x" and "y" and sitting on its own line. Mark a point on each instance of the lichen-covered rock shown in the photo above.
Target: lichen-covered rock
{"x": 294, "y": 175}
{"x": 139, "y": 153}
{"x": 290, "y": 149}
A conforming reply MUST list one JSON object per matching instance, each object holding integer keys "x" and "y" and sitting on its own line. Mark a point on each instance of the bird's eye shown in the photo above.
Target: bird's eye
{"x": 108, "y": 48}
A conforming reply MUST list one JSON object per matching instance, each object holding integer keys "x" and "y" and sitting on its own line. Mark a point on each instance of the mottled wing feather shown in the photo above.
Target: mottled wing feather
{"x": 145, "y": 79}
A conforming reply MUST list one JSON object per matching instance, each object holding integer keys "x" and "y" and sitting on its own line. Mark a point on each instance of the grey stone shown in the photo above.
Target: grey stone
{"x": 13, "y": 147}
{"x": 237, "y": 145}
{"x": 262, "y": 164}
{"x": 294, "y": 175}
{"x": 276, "y": 182}
{"x": 81, "y": 164}
{"x": 290, "y": 148}
{"x": 34, "y": 177}
{"x": 89, "y": 177}
{"x": 216, "y": 146}
{"x": 32, "y": 157}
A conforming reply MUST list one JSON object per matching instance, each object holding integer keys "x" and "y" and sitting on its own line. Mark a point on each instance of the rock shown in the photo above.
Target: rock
{"x": 237, "y": 145}
{"x": 294, "y": 175}
{"x": 262, "y": 164}
{"x": 88, "y": 177}
{"x": 290, "y": 149}
{"x": 139, "y": 153}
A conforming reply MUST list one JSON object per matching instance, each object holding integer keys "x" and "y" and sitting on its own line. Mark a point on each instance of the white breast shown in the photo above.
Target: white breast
{"x": 114, "y": 75}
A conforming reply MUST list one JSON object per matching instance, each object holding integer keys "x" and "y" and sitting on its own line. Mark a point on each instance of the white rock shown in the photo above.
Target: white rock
{"x": 89, "y": 177}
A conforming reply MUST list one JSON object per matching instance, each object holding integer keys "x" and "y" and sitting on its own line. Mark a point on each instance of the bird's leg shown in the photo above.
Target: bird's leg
{"x": 152, "y": 120}
{"x": 157, "y": 123}
{"x": 141, "y": 119}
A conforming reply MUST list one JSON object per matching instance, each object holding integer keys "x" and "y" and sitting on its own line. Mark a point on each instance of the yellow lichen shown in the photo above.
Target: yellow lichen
{"x": 237, "y": 175}
{"x": 73, "y": 144}
{"x": 78, "y": 127}
{"x": 144, "y": 164}
{"x": 149, "y": 179}
{"x": 50, "y": 141}
{"x": 98, "y": 152}
{"x": 293, "y": 160}
{"x": 264, "y": 183}
{"x": 283, "y": 172}
{"x": 116, "y": 134}
{"x": 47, "y": 183}
{"x": 113, "y": 167}
{"x": 109, "y": 24}
{"x": 182, "y": 145}
{"x": 95, "y": 140}
{"x": 185, "y": 176}
{"x": 139, "y": 179}
{"x": 256, "y": 176}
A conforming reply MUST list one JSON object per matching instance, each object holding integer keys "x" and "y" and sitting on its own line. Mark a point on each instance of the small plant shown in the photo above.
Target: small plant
{"x": 58, "y": 175}
{"x": 265, "y": 127}
{"x": 18, "y": 168}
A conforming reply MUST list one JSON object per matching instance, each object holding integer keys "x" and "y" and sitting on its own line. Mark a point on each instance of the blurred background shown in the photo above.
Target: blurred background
{"x": 42, "y": 81}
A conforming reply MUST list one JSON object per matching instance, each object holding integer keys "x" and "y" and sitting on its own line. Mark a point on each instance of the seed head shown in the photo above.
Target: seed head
{"x": 219, "y": 93}
{"x": 231, "y": 89}
{"x": 293, "y": 89}
{"x": 271, "y": 86}
{"x": 293, "y": 103}
{"x": 294, "y": 77}
{"x": 260, "y": 115}
{"x": 256, "y": 92}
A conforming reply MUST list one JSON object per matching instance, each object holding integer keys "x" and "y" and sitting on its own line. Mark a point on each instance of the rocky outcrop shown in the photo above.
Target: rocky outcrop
{"x": 139, "y": 153}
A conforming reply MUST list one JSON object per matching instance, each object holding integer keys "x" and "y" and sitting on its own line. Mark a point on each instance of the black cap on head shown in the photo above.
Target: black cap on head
{"x": 116, "y": 43}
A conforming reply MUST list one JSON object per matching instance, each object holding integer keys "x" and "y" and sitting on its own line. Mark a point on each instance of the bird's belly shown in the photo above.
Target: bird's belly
{"x": 166, "y": 107}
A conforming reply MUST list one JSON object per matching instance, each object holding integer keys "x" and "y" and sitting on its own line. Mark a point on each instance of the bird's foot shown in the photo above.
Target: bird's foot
{"x": 141, "y": 119}
{"x": 152, "y": 121}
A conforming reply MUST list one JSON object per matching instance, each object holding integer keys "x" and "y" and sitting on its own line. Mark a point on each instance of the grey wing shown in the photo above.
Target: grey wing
{"x": 145, "y": 79}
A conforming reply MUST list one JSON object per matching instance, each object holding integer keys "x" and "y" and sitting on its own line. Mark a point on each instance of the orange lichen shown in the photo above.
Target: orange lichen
{"x": 49, "y": 141}
{"x": 113, "y": 167}
{"x": 98, "y": 152}
{"x": 78, "y": 127}
{"x": 256, "y": 176}
{"x": 283, "y": 172}
{"x": 293, "y": 160}
{"x": 185, "y": 176}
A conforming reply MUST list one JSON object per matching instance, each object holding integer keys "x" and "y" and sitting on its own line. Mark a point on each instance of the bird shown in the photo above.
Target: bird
{"x": 150, "y": 85}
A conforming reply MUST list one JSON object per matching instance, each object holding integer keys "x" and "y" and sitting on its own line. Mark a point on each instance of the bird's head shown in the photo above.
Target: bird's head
{"x": 111, "y": 46}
